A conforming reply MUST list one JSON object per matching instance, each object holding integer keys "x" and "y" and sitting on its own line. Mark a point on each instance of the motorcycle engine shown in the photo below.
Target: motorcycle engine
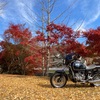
{"x": 79, "y": 76}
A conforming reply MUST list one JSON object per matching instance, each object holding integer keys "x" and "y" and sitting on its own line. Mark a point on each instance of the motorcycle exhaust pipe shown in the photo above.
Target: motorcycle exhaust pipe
{"x": 94, "y": 81}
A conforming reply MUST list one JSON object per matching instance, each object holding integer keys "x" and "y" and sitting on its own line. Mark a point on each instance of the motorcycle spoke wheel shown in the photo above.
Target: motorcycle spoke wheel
{"x": 58, "y": 80}
{"x": 96, "y": 77}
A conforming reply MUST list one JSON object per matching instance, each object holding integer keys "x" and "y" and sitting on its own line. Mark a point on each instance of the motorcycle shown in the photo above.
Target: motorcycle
{"x": 77, "y": 72}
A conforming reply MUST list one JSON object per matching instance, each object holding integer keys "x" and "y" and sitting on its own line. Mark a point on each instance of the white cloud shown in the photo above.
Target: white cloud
{"x": 80, "y": 26}
{"x": 2, "y": 15}
{"x": 16, "y": 11}
{"x": 92, "y": 9}
{"x": 95, "y": 16}
{"x": 2, "y": 4}
{"x": 25, "y": 10}
{"x": 1, "y": 38}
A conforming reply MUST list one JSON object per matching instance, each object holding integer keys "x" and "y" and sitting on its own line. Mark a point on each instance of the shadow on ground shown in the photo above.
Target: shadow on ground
{"x": 67, "y": 86}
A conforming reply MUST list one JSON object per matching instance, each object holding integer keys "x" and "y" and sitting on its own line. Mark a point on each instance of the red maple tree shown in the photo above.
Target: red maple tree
{"x": 20, "y": 49}
{"x": 93, "y": 41}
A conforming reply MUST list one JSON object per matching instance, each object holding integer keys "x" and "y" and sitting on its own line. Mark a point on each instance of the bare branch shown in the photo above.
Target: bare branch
{"x": 43, "y": 6}
{"x": 75, "y": 22}
{"x": 81, "y": 23}
{"x": 66, "y": 16}
{"x": 35, "y": 14}
{"x": 32, "y": 17}
{"x": 52, "y": 6}
{"x": 68, "y": 21}
{"x": 65, "y": 10}
{"x": 31, "y": 10}
{"x": 28, "y": 21}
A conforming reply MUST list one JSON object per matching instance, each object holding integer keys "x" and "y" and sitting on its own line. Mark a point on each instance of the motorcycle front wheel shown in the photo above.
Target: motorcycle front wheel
{"x": 58, "y": 80}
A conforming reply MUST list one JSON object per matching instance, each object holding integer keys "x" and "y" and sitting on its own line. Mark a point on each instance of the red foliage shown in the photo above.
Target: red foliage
{"x": 2, "y": 54}
{"x": 20, "y": 48}
{"x": 29, "y": 51}
{"x": 93, "y": 40}
{"x": 18, "y": 33}
{"x": 17, "y": 53}
{"x": 35, "y": 59}
{"x": 40, "y": 36}
{"x": 63, "y": 38}
{"x": 60, "y": 31}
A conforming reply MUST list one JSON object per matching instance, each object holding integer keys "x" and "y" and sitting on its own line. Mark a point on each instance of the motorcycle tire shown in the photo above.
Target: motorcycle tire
{"x": 96, "y": 77}
{"x": 58, "y": 80}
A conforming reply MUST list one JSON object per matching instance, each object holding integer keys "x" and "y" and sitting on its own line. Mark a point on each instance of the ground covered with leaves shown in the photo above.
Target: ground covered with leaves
{"x": 16, "y": 87}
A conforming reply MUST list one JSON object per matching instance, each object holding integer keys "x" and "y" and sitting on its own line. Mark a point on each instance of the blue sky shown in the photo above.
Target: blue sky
{"x": 18, "y": 11}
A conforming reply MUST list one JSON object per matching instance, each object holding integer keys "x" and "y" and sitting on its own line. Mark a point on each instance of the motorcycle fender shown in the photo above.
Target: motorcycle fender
{"x": 62, "y": 72}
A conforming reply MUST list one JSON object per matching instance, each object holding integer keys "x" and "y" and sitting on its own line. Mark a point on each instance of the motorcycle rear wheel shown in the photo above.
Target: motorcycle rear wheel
{"x": 58, "y": 80}
{"x": 96, "y": 77}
